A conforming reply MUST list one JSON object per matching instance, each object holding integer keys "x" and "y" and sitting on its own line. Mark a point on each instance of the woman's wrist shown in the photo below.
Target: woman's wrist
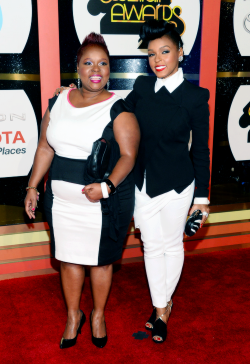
{"x": 35, "y": 189}
{"x": 105, "y": 192}
{"x": 110, "y": 186}
{"x": 109, "y": 190}
{"x": 201, "y": 201}
{"x": 32, "y": 188}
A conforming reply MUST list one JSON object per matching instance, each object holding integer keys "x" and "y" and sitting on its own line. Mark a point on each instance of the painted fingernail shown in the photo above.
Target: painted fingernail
{"x": 33, "y": 209}
{"x": 201, "y": 225}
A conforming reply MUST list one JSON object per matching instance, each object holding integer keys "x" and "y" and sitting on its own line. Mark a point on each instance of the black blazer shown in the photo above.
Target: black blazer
{"x": 165, "y": 121}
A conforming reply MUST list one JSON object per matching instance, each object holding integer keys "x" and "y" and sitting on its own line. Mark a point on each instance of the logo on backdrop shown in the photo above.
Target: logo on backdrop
{"x": 120, "y": 22}
{"x": 127, "y": 17}
{"x": 15, "y": 23}
{"x": 242, "y": 26}
{"x": 246, "y": 23}
{"x": 239, "y": 124}
{"x": 18, "y": 133}
{"x": 245, "y": 120}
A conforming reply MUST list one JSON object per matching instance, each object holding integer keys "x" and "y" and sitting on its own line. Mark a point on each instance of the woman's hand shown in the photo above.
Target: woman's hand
{"x": 93, "y": 192}
{"x": 62, "y": 88}
{"x": 204, "y": 209}
{"x": 30, "y": 203}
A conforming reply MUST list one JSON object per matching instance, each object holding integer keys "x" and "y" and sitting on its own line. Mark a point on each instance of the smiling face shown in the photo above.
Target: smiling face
{"x": 93, "y": 68}
{"x": 164, "y": 56}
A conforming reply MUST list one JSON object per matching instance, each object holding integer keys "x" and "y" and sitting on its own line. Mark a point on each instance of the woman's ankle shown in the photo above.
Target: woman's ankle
{"x": 98, "y": 313}
{"x": 74, "y": 315}
{"x": 164, "y": 313}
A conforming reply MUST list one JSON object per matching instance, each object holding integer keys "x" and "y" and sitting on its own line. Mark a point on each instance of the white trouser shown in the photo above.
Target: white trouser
{"x": 162, "y": 220}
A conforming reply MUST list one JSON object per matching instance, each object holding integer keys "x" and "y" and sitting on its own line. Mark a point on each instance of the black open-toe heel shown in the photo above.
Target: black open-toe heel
{"x": 151, "y": 320}
{"x": 67, "y": 343}
{"x": 160, "y": 327}
{"x": 100, "y": 342}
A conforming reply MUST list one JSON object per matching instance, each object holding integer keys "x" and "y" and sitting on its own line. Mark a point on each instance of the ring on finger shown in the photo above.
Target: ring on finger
{"x": 205, "y": 214}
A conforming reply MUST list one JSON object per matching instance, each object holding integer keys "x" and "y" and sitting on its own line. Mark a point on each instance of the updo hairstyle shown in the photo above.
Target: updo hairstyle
{"x": 92, "y": 39}
{"x": 153, "y": 29}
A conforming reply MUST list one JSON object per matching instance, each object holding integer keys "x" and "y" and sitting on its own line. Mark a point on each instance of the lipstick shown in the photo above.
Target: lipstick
{"x": 160, "y": 68}
{"x": 95, "y": 78}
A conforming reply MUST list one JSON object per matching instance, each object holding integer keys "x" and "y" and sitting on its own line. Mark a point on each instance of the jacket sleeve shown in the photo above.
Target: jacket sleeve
{"x": 200, "y": 151}
{"x": 133, "y": 96}
{"x": 117, "y": 108}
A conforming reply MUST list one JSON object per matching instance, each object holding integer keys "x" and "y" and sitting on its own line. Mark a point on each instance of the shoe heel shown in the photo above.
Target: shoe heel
{"x": 68, "y": 343}
{"x": 98, "y": 342}
{"x": 82, "y": 322}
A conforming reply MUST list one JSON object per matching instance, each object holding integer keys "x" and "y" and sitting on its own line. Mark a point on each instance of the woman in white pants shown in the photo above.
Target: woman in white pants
{"x": 167, "y": 108}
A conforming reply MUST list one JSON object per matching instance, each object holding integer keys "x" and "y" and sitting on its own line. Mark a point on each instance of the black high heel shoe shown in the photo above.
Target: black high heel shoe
{"x": 67, "y": 343}
{"x": 160, "y": 327}
{"x": 151, "y": 320}
{"x": 100, "y": 342}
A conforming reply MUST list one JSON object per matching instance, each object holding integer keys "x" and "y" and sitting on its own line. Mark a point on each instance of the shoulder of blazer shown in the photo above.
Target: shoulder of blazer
{"x": 195, "y": 92}
{"x": 144, "y": 84}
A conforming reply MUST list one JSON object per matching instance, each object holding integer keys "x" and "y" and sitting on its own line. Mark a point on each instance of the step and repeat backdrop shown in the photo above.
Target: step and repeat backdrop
{"x": 119, "y": 22}
{"x": 231, "y": 154}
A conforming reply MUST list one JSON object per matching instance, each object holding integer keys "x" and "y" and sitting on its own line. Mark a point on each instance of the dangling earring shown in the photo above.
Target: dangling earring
{"x": 108, "y": 84}
{"x": 180, "y": 58}
{"x": 78, "y": 82}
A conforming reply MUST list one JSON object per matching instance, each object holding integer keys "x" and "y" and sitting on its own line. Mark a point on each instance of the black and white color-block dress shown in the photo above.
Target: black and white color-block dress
{"x": 79, "y": 229}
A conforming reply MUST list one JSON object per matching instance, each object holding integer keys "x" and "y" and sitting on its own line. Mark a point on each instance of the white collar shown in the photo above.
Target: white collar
{"x": 171, "y": 83}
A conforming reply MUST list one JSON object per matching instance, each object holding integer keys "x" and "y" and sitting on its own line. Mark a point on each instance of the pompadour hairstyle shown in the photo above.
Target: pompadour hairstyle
{"x": 153, "y": 29}
{"x": 92, "y": 39}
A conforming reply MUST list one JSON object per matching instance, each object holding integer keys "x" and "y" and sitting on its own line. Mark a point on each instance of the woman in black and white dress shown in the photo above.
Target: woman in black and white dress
{"x": 80, "y": 232}
{"x": 167, "y": 108}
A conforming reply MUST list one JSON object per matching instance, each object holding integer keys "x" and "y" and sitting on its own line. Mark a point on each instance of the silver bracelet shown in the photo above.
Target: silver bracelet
{"x": 104, "y": 188}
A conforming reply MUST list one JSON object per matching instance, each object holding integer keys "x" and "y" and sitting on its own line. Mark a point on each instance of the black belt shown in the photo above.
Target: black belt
{"x": 68, "y": 170}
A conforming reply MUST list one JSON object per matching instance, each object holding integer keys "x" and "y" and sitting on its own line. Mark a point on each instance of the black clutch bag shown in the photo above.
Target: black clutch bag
{"x": 193, "y": 223}
{"x": 98, "y": 161}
